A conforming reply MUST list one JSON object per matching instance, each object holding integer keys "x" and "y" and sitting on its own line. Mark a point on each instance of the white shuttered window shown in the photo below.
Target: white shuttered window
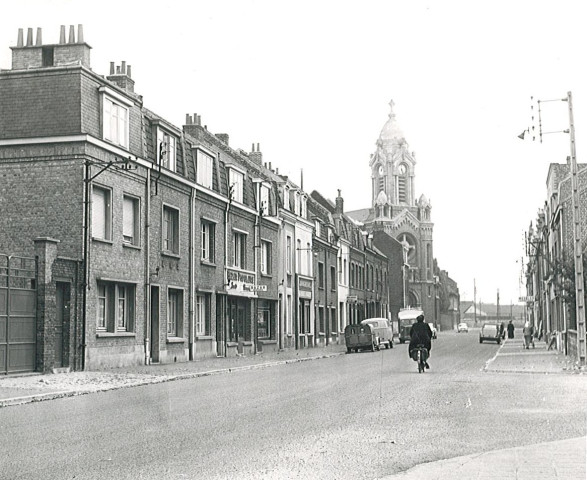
{"x": 101, "y": 213}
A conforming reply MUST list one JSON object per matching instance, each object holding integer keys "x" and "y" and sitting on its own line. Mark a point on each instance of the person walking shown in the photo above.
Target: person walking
{"x": 528, "y": 333}
{"x": 511, "y": 329}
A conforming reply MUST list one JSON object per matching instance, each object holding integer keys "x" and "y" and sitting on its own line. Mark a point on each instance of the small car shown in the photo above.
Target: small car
{"x": 434, "y": 332}
{"x": 381, "y": 327}
{"x": 462, "y": 327}
{"x": 490, "y": 331}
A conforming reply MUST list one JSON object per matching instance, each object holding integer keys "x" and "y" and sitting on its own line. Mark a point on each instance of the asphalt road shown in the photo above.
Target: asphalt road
{"x": 356, "y": 416}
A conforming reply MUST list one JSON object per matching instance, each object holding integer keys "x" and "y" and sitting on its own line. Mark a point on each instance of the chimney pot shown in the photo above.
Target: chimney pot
{"x": 62, "y": 34}
{"x": 39, "y": 36}
{"x": 123, "y": 67}
{"x": 80, "y": 33}
{"x": 199, "y": 119}
{"x": 258, "y": 149}
{"x": 252, "y": 147}
{"x": 117, "y": 69}
{"x": 128, "y": 71}
{"x": 20, "y": 41}
{"x": 111, "y": 68}
{"x": 188, "y": 119}
{"x": 71, "y": 34}
{"x": 270, "y": 166}
{"x": 29, "y": 37}
{"x": 277, "y": 171}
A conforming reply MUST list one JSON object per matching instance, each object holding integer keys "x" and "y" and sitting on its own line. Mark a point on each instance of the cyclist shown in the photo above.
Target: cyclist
{"x": 420, "y": 334}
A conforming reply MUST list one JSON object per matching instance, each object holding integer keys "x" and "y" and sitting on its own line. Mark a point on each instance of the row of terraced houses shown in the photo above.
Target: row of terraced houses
{"x": 126, "y": 239}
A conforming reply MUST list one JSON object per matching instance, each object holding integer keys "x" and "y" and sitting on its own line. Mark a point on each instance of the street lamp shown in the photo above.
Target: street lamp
{"x": 577, "y": 247}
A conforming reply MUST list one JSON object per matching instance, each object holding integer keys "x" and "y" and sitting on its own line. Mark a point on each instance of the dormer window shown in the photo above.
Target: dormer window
{"x": 236, "y": 182}
{"x": 115, "y": 122}
{"x": 205, "y": 168}
{"x": 318, "y": 227}
{"x": 297, "y": 203}
{"x": 166, "y": 149}
{"x": 286, "y": 197}
{"x": 264, "y": 200}
{"x": 303, "y": 206}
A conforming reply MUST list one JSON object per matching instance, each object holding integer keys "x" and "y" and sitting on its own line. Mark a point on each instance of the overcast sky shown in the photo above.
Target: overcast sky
{"x": 310, "y": 81}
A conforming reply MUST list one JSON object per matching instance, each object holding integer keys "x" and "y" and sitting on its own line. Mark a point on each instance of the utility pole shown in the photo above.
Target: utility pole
{"x": 475, "y": 301}
{"x": 577, "y": 248}
{"x": 498, "y": 304}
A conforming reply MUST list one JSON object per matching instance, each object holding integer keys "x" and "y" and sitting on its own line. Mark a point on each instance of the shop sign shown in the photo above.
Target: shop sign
{"x": 304, "y": 288}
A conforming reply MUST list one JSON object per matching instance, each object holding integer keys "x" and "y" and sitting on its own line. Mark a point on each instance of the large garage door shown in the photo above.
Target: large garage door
{"x": 18, "y": 293}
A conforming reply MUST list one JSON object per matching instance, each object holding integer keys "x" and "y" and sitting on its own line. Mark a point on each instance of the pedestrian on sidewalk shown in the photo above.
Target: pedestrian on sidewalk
{"x": 502, "y": 330}
{"x": 528, "y": 333}
{"x": 511, "y": 329}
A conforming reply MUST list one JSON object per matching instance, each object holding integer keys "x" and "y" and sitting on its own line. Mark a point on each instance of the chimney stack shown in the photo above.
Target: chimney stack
{"x": 62, "y": 35}
{"x": 339, "y": 204}
{"x": 29, "y": 37}
{"x": 71, "y": 34}
{"x": 256, "y": 155}
{"x": 223, "y": 137}
{"x": 39, "y": 37}
{"x": 120, "y": 76}
{"x": 20, "y": 41}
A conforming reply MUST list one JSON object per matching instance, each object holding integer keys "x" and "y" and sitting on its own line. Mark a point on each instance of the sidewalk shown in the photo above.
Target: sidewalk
{"x": 563, "y": 459}
{"x": 514, "y": 358}
{"x": 34, "y": 387}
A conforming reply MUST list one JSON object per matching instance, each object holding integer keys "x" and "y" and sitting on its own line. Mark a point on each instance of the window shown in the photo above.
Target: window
{"x": 297, "y": 210}
{"x": 202, "y": 314}
{"x": 116, "y": 307}
{"x": 333, "y": 320}
{"x": 308, "y": 259}
{"x": 235, "y": 180}
{"x": 321, "y": 324}
{"x": 205, "y": 166}
{"x": 208, "y": 240}
{"x": 264, "y": 197}
{"x": 166, "y": 145}
{"x": 303, "y": 207}
{"x": 317, "y": 225}
{"x": 339, "y": 269}
{"x": 130, "y": 220}
{"x": 239, "y": 242}
{"x": 345, "y": 272}
{"x": 289, "y": 255}
{"x": 115, "y": 122}
{"x": 264, "y": 321}
{"x": 286, "y": 197}
{"x": 170, "y": 230}
{"x": 266, "y": 257}
{"x": 174, "y": 312}
{"x": 333, "y": 278}
{"x": 320, "y": 275}
{"x": 101, "y": 213}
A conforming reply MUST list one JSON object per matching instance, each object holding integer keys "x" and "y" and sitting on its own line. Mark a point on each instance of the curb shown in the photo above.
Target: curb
{"x": 9, "y": 402}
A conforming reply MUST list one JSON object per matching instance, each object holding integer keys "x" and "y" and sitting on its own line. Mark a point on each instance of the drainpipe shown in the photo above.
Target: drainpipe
{"x": 86, "y": 259}
{"x": 226, "y": 212}
{"x": 147, "y": 269}
{"x": 192, "y": 272}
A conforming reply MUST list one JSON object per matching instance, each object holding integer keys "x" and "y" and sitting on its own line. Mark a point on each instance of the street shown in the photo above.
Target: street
{"x": 361, "y": 415}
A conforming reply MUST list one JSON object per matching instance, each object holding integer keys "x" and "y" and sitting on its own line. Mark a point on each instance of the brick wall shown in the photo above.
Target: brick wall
{"x": 40, "y": 104}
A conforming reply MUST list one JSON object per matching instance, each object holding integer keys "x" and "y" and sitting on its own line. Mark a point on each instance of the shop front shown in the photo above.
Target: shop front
{"x": 304, "y": 330}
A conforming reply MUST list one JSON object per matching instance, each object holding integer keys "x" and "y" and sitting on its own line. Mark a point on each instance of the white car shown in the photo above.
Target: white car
{"x": 462, "y": 327}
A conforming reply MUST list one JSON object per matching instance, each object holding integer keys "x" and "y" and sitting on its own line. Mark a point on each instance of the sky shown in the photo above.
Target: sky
{"x": 311, "y": 81}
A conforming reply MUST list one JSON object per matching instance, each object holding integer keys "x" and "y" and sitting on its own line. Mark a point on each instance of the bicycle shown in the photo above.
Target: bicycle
{"x": 420, "y": 355}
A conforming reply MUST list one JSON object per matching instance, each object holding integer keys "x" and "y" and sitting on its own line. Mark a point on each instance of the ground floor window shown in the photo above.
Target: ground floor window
{"x": 116, "y": 307}
{"x": 202, "y": 314}
{"x": 266, "y": 320}
{"x": 333, "y": 320}
{"x": 174, "y": 312}
{"x": 321, "y": 322}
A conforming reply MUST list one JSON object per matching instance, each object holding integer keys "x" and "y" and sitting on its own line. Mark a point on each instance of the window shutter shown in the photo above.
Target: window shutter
{"x": 128, "y": 219}
{"x": 98, "y": 213}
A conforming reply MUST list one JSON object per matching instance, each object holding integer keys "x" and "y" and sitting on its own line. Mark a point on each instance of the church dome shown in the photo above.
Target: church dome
{"x": 391, "y": 133}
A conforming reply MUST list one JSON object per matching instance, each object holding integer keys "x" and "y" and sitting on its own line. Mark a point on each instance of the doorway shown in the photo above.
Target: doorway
{"x": 63, "y": 300}
{"x": 154, "y": 333}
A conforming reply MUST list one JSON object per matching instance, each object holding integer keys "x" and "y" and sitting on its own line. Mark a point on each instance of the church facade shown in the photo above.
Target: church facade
{"x": 401, "y": 214}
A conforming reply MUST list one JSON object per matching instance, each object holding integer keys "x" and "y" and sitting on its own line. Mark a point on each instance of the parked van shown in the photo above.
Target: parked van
{"x": 407, "y": 317}
{"x": 382, "y": 329}
{"x": 360, "y": 337}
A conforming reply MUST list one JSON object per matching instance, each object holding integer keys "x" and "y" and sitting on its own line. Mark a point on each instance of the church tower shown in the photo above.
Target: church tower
{"x": 396, "y": 210}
